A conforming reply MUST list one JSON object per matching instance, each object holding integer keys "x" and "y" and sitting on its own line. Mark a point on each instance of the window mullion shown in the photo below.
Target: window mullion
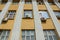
{"x": 47, "y": 35}
{"x": 25, "y": 35}
{"x": 30, "y": 35}
{"x": 52, "y": 35}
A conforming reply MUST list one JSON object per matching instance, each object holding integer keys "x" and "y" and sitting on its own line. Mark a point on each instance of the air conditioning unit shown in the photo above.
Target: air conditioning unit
{"x": 58, "y": 16}
{"x": 43, "y": 19}
{"x": 5, "y": 19}
{"x": 27, "y": 17}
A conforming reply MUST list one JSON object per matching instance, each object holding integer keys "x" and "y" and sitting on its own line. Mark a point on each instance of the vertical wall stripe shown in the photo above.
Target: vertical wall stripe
{"x": 5, "y": 9}
{"x": 38, "y": 26}
{"x": 57, "y": 3}
{"x": 17, "y": 24}
{"x": 54, "y": 19}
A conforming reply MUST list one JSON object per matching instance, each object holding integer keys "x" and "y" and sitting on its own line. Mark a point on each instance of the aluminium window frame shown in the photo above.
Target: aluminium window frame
{"x": 47, "y": 34}
{"x": 6, "y": 35}
{"x": 29, "y": 33}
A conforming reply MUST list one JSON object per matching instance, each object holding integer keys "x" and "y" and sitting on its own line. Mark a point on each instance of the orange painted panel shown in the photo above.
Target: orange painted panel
{"x": 48, "y": 25}
{"x": 42, "y": 7}
{"x": 13, "y": 7}
{"x": 1, "y": 6}
{"x": 28, "y": 7}
{"x": 54, "y": 7}
{"x": 8, "y": 25}
{"x": 27, "y": 24}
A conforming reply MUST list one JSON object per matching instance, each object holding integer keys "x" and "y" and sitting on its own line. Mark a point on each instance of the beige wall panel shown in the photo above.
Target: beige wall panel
{"x": 8, "y": 25}
{"x": 48, "y": 25}
{"x": 54, "y": 7}
{"x": 27, "y": 24}
{"x": 13, "y": 7}
{"x": 42, "y": 7}
{"x": 28, "y": 6}
{"x": 1, "y": 6}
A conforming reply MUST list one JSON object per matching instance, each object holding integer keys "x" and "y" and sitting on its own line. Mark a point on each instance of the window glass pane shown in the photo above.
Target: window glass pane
{"x": 27, "y": 33}
{"x": 50, "y": 38}
{"x": 29, "y": 13}
{"x": 32, "y": 38}
{"x": 57, "y": 13}
{"x": 15, "y": 3}
{"x": 2, "y": 38}
{"x": 0, "y": 32}
{"x": 52, "y": 3}
{"x": 7, "y": 33}
{"x": 54, "y": 37}
{"x": 23, "y": 33}
{"x": 32, "y": 32}
{"x": 45, "y": 33}
{"x": 4, "y": 33}
{"x": 46, "y": 38}
{"x": 27, "y": 37}
{"x": 28, "y": 1}
{"x": 52, "y": 32}
{"x": 4, "y": 1}
{"x": 23, "y": 37}
{"x": 40, "y": 2}
{"x": 6, "y": 38}
{"x": 11, "y": 14}
{"x": 49, "y": 32}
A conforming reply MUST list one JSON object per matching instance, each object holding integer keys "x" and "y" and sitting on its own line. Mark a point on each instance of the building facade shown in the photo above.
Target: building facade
{"x": 29, "y": 19}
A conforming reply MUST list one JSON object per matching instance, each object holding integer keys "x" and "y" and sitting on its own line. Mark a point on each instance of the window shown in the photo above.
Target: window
{"x": 28, "y": 1}
{"x": 0, "y": 11}
{"x": 51, "y": 2}
{"x": 11, "y": 14}
{"x": 4, "y": 1}
{"x": 15, "y": 2}
{"x": 40, "y": 2}
{"x": 57, "y": 14}
{"x": 28, "y": 14}
{"x": 43, "y": 14}
{"x": 28, "y": 35}
{"x": 4, "y": 34}
{"x": 50, "y": 35}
